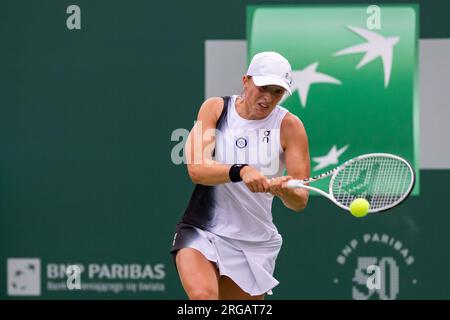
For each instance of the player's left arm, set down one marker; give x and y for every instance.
(294, 141)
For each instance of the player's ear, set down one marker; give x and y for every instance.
(244, 83)
(245, 80)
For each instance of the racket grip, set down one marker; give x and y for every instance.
(294, 183)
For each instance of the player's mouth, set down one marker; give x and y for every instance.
(263, 105)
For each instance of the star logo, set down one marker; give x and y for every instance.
(303, 79)
(331, 158)
(376, 46)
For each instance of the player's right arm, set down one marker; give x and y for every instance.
(199, 148)
(200, 144)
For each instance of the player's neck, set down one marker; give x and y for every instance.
(244, 110)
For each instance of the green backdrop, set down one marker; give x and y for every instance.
(353, 111)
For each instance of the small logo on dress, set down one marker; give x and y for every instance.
(266, 136)
(241, 143)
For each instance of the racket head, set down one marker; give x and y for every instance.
(384, 180)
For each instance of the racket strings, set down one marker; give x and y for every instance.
(382, 180)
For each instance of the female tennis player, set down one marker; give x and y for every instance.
(226, 243)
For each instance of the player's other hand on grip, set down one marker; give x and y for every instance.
(278, 186)
(254, 179)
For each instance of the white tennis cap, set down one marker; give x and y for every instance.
(271, 68)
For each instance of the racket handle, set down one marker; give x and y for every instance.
(294, 183)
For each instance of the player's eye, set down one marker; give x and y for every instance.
(278, 92)
(273, 91)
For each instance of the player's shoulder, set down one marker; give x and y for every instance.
(291, 122)
(214, 101)
(213, 105)
(292, 131)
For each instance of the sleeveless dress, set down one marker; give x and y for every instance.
(229, 224)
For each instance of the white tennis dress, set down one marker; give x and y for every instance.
(228, 223)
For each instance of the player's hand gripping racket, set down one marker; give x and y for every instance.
(384, 180)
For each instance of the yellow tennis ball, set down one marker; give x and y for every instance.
(359, 207)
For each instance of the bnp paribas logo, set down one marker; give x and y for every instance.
(349, 62)
(376, 266)
(24, 277)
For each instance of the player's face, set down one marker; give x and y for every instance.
(261, 100)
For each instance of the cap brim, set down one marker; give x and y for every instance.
(268, 81)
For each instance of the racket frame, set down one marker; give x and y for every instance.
(334, 172)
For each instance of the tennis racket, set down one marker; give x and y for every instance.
(384, 180)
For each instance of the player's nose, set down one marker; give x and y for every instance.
(268, 97)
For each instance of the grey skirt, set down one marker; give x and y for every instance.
(249, 264)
